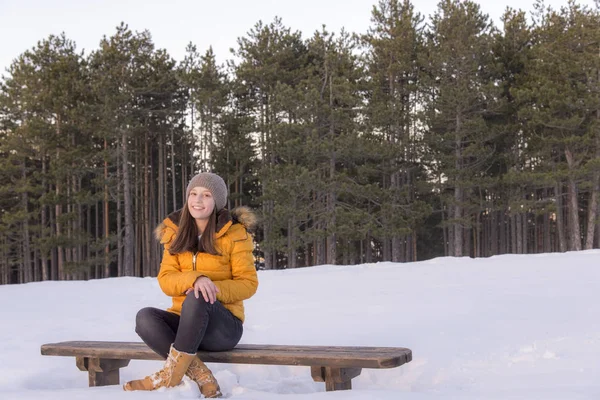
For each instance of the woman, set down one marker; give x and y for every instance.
(208, 270)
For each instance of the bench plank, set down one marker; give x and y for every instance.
(331, 356)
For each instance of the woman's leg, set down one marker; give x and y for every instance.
(157, 328)
(223, 332)
(206, 326)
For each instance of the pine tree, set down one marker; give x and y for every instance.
(395, 48)
(268, 62)
(43, 95)
(511, 181)
(562, 95)
(120, 72)
(334, 101)
(460, 93)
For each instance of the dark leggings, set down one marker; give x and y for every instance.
(202, 326)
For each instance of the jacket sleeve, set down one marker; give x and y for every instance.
(244, 280)
(171, 279)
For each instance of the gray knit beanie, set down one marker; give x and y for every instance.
(212, 182)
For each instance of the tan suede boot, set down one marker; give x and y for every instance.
(170, 375)
(199, 372)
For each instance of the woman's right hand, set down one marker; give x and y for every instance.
(207, 287)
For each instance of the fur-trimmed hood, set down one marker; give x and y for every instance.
(240, 215)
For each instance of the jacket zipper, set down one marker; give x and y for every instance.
(194, 261)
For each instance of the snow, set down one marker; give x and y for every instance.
(506, 327)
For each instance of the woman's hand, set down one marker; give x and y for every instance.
(207, 287)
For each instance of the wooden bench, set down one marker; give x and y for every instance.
(336, 366)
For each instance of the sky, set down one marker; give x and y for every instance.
(174, 23)
(511, 327)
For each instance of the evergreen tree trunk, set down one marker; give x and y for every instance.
(161, 172)
(547, 238)
(183, 169)
(59, 212)
(36, 265)
(486, 234)
(81, 229)
(139, 220)
(173, 180)
(68, 228)
(518, 232)
(597, 224)
(26, 239)
(458, 195)
(524, 232)
(53, 251)
(457, 225)
(468, 242)
(331, 220)
(501, 232)
(513, 234)
(560, 221)
(593, 203)
(291, 240)
(129, 240)
(331, 194)
(106, 216)
(597, 246)
(537, 230)
(44, 217)
(403, 248)
(477, 236)
(3, 263)
(20, 269)
(148, 265)
(397, 245)
(98, 253)
(119, 218)
(387, 249)
(59, 249)
(547, 226)
(573, 210)
(445, 231)
(414, 247)
(267, 234)
(156, 249)
(573, 207)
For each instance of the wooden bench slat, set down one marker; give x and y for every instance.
(136, 346)
(334, 356)
(346, 349)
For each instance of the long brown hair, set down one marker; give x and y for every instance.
(187, 234)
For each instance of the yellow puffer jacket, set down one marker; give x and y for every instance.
(233, 272)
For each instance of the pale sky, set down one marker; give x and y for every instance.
(174, 23)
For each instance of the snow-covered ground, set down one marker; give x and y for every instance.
(506, 327)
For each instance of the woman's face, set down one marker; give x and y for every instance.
(201, 203)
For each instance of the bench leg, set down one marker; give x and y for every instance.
(335, 378)
(101, 371)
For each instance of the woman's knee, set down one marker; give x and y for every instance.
(145, 321)
(192, 301)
